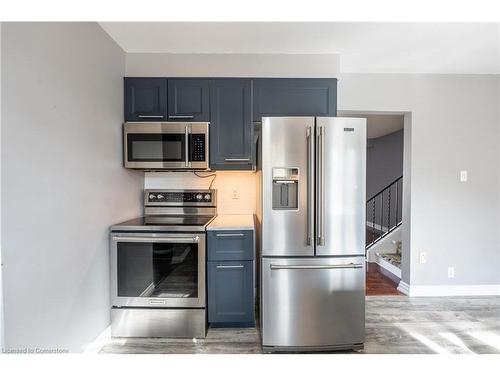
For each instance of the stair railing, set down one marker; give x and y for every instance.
(384, 212)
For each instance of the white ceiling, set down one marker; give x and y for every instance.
(364, 47)
(378, 125)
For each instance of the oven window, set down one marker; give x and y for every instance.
(156, 147)
(159, 270)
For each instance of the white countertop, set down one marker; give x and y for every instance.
(232, 222)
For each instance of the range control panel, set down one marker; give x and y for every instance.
(180, 197)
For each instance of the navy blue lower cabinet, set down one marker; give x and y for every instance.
(231, 293)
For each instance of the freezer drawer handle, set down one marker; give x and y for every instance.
(315, 267)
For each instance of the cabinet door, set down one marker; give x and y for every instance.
(230, 292)
(231, 127)
(145, 99)
(188, 100)
(294, 97)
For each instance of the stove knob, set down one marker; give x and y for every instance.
(152, 196)
(160, 196)
(199, 197)
(207, 197)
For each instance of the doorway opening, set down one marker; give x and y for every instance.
(386, 201)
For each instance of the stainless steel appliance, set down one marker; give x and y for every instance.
(158, 266)
(312, 236)
(165, 145)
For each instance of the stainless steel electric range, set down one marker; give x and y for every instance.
(158, 266)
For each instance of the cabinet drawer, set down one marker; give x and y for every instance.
(230, 245)
(230, 292)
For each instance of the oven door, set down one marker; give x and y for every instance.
(158, 269)
(165, 145)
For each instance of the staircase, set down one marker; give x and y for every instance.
(384, 212)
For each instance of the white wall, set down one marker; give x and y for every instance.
(384, 162)
(232, 65)
(62, 180)
(454, 126)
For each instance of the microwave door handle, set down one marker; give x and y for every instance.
(187, 131)
(194, 239)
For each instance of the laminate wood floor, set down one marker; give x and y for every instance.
(393, 325)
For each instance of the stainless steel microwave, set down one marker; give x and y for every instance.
(165, 145)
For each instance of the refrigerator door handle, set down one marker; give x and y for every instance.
(321, 189)
(310, 184)
(315, 267)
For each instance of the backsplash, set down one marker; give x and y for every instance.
(236, 191)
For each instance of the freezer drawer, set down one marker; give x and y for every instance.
(313, 303)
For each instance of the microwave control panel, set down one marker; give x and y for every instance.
(198, 147)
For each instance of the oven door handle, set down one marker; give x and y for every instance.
(194, 239)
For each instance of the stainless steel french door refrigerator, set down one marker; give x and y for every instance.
(313, 233)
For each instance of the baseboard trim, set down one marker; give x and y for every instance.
(449, 290)
(95, 346)
(388, 266)
(404, 288)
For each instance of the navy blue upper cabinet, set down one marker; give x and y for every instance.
(231, 126)
(294, 97)
(145, 99)
(188, 100)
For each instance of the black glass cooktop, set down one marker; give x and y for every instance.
(164, 222)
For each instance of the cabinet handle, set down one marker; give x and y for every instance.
(150, 116)
(236, 160)
(229, 235)
(181, 117)
(229, 267)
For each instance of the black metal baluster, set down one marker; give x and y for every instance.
(381, 214)
(397, 201)
(373, 222)
(389, 210)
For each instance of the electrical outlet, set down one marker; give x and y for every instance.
(235, 194)
(463, 176)
(423, 258)
(451, 272)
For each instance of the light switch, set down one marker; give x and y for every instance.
(463, 176)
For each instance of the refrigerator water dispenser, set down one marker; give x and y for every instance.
(285, 188)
